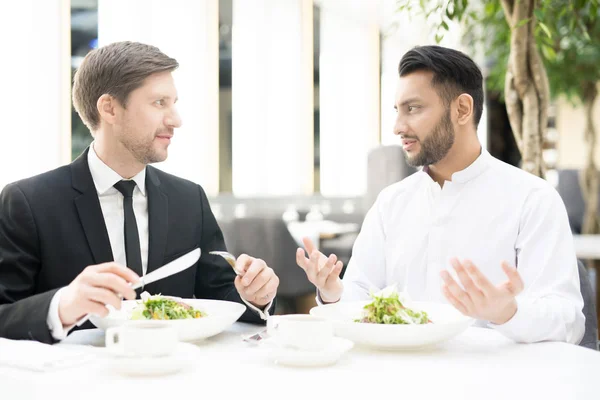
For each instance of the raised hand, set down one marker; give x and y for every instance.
(322, 271)
(480, 299)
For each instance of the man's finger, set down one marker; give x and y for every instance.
(238, 284)
(119, 270)
(301, 259)
(335, 273)
(103, 296)
(110, 281)
(261, 279)
(308, 245)
(454, 301)
(269, 289)
(326, 270)
(95, 308)
(313, 267)
(252, 272)
(516, 284)
(243, 262)
(456, 290)
(470, 287)
(480, 280)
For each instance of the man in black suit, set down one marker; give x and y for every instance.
(66, 235)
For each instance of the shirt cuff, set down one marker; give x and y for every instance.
(264, 313)
(58, 331)
(514, 327)
(320, 301)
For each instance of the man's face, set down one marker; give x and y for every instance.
(145, 127)
(423, 120)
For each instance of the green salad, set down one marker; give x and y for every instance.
(163, 308)
(388, 309)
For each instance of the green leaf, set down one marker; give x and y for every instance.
(450, 13)
(545, 29)
(549, 53)
(445, 25)
(438, 38)
(522, 22)
(538, 14)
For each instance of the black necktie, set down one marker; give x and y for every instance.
(132, 238)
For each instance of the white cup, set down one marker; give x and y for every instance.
(141, 340)
(301, 331)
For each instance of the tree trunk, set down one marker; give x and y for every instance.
(526, 88)
(589, 180)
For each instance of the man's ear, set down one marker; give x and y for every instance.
(107, 108)
(465, 109)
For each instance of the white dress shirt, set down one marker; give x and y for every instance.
(111, 203)
(488, 212)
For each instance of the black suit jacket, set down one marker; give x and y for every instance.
(52, 227)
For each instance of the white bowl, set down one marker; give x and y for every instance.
(220, 315)
(447, 323)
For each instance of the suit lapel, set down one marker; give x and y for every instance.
(158, 218)
(90, 213)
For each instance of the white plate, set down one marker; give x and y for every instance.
(304, 358)
(220, 315)
(447, 323)
(182, 358)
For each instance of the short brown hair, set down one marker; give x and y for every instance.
(116, 69)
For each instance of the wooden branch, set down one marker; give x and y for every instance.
(531, 128)
(589, 179)
(508, 5)
(542, 87)
(519, 45)
(513, 108)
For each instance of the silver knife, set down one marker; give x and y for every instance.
(171, 268)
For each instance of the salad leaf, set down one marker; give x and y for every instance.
(163, 308)
(387, 308)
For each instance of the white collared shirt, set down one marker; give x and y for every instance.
(488, 213)
(111, 203)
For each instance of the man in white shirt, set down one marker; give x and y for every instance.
(489, 238)
(73, 239)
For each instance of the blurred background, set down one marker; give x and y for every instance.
(287, 106)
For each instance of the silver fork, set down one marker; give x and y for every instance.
(230, 258)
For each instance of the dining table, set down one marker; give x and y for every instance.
(479, 363)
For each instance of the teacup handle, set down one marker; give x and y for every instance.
(112, 341)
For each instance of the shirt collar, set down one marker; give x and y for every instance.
(105, 177)
(472, 171)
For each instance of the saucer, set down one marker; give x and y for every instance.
(316, 358)
(181, 358)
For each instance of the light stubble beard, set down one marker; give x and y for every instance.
(142, 149)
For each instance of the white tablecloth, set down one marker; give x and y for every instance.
(479, 364)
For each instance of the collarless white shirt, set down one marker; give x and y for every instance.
(488, 212)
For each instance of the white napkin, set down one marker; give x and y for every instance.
(36, 356)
